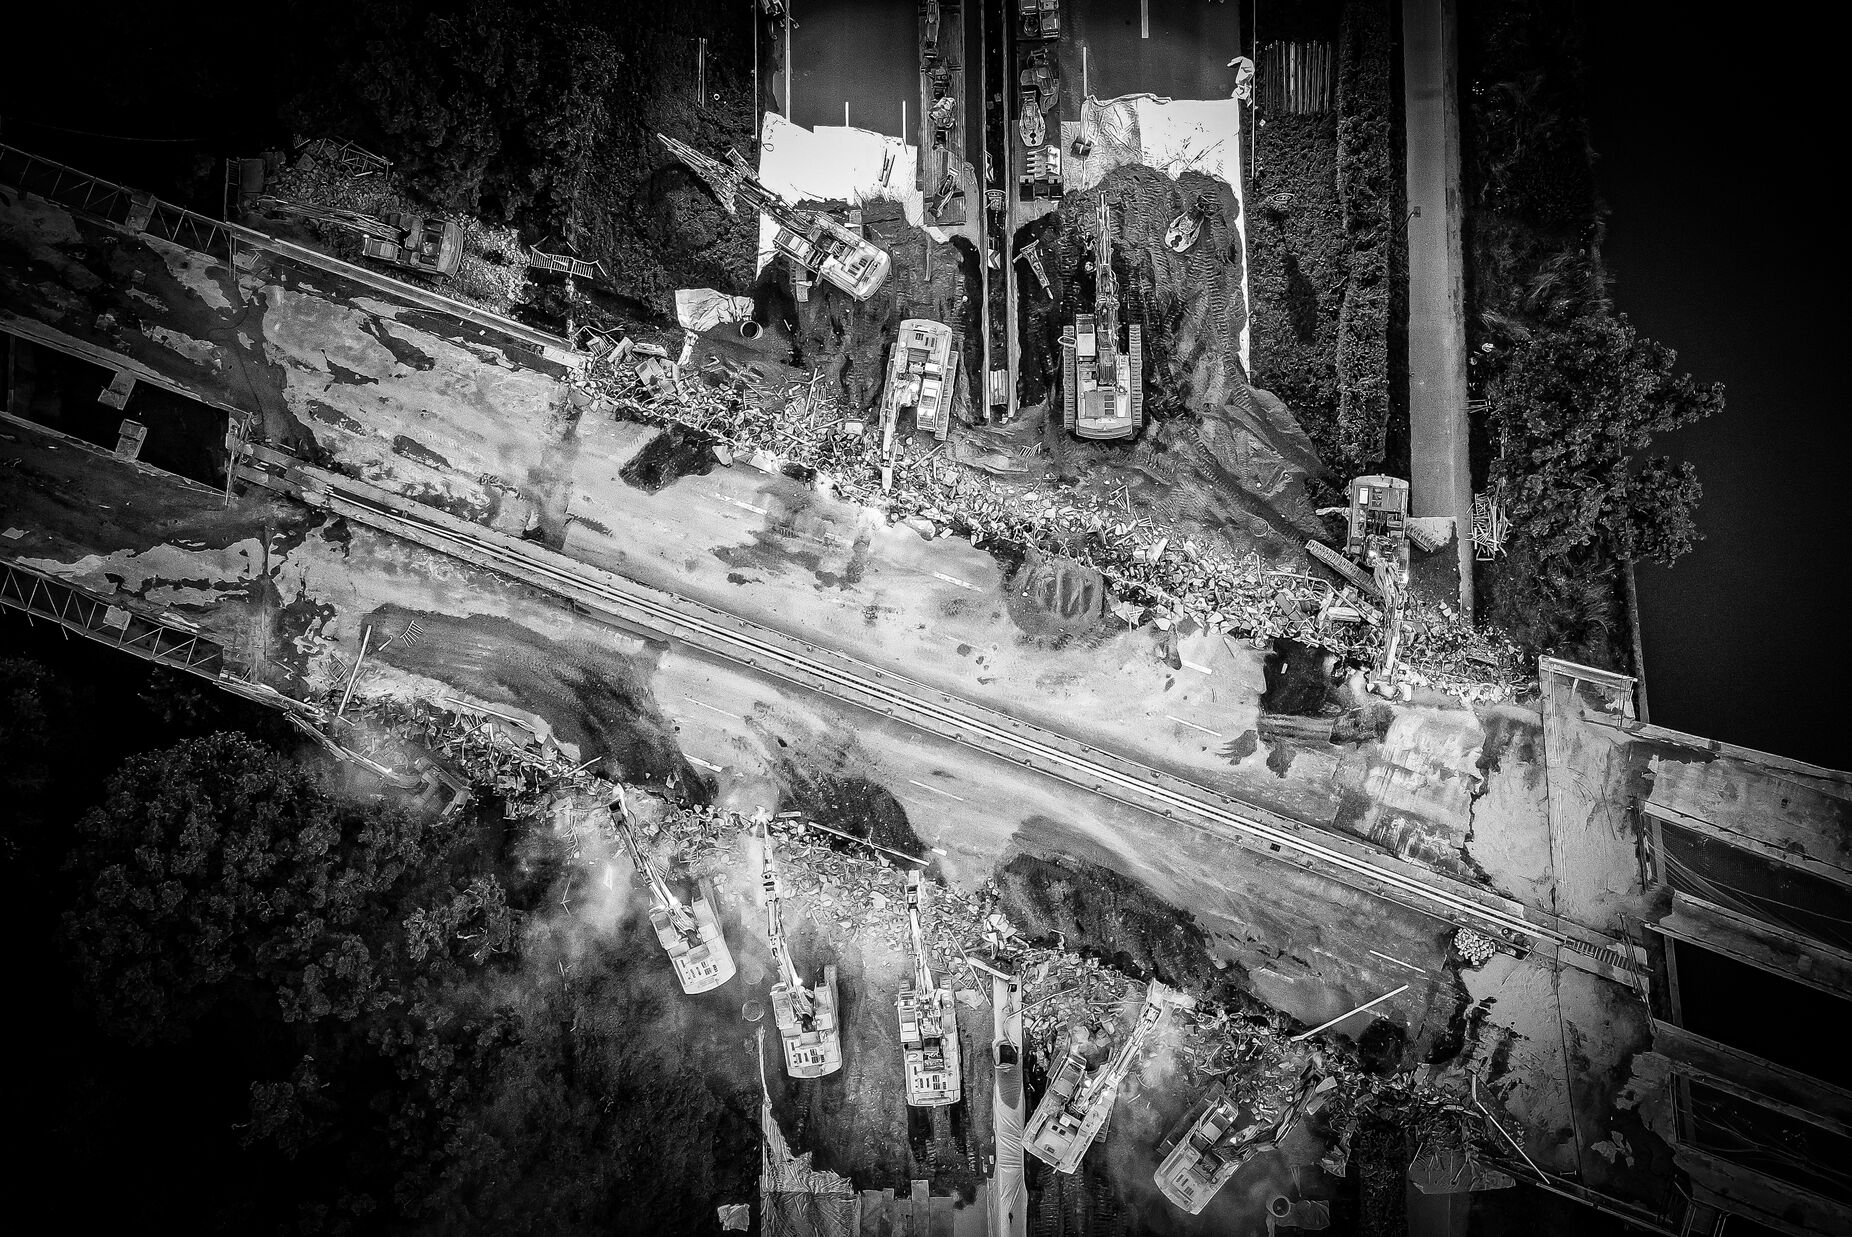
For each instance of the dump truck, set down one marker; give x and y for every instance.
(815, 242)
(425, 243)
(1102, 389)
(806, 1015)
(1075, 1106)
(1218, 1142)
(929, 1045)
(690, 933)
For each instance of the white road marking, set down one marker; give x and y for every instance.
(1144, 19)
(935, 790)
(1399, 962)
(696, 760)
(1193, 725)
(710, 708)
(1196, 666)
(955, 580)
(938, 850)
(745, 506)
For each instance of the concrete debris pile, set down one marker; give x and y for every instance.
(1474, 948)
(1161, 576)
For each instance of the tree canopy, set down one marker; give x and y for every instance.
(214, 864)
(1572, 412)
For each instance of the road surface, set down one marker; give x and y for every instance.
(1185, 56)
(1440, 472)
(861, 52)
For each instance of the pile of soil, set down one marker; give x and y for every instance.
(1097, 910)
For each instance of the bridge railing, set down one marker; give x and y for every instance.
(76, 609)
(126, 208)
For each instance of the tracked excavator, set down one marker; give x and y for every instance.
(817, 243)
(690, 934)
(806, 1016)
(1102, 389)
(417, 242)
(929, 1046)
(1375, 562)
(1075, 1106)
(1218, 1142)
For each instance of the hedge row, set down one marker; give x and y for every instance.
(1366, 194)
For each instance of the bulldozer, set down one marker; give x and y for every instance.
(806, 1015)
(690, 934)
(929, 1046)
(1102, 389)
(425, 243)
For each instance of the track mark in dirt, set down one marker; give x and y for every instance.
(594, 698)
(1056, 602)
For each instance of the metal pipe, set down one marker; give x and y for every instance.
(1341, 1017)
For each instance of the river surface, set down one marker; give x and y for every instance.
(1718, 153)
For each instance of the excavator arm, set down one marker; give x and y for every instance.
(775, 932)
(665, 897)
(922, 972)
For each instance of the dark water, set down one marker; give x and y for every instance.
(1720, 148)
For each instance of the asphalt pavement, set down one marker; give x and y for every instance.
(1176, 49)
(861, 52)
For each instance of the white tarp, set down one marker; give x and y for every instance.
(835, 163)
(1171, 135)
(703, 309)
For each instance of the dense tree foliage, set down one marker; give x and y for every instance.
(545, 114)
(1571, 413)
(375, 1034)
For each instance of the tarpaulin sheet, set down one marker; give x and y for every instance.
(703, 309)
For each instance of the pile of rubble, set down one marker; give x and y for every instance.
(496, 755)
(1161, 577)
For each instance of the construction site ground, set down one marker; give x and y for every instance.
(290, 590)
(572, 455)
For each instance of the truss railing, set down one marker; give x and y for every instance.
(113, 203)
(76, 609)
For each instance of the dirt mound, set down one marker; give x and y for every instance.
(1216, 453)
(1096, 909)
